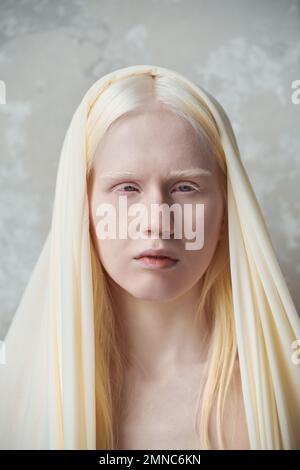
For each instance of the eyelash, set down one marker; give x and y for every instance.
(195, 188)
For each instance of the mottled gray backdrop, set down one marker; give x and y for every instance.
(246, 53)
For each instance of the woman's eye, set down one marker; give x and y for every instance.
(187, 188)
(122, 188)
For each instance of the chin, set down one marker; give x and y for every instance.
(155, 294)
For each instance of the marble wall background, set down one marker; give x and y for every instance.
(245, 53)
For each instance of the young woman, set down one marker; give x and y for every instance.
(114, 348)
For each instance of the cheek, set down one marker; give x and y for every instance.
(213, 214)
(197, 261)
(212, 221)
(113, 255)
(104, 245)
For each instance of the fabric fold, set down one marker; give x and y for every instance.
(47, 386)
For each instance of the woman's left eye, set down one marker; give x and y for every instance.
(187, 188)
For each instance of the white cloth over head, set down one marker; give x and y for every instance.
(47, 386)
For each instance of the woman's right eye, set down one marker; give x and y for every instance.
(126, 186)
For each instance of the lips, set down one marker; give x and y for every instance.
(157, 254)
(156, 262)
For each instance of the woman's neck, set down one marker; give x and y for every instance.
(159, 338)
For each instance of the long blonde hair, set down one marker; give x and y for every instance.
(120, 97)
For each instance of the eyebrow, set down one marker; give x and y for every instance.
(188, 173)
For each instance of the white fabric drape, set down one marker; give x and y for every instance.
(47, 386)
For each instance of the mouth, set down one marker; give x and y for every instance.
(157, 262)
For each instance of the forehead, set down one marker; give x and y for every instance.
(153, 139)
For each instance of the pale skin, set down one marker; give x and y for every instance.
(167, 352)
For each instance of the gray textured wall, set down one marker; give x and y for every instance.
(245, 53)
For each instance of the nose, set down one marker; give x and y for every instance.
(157, 220)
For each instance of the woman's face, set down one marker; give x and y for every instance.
(152, 144)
